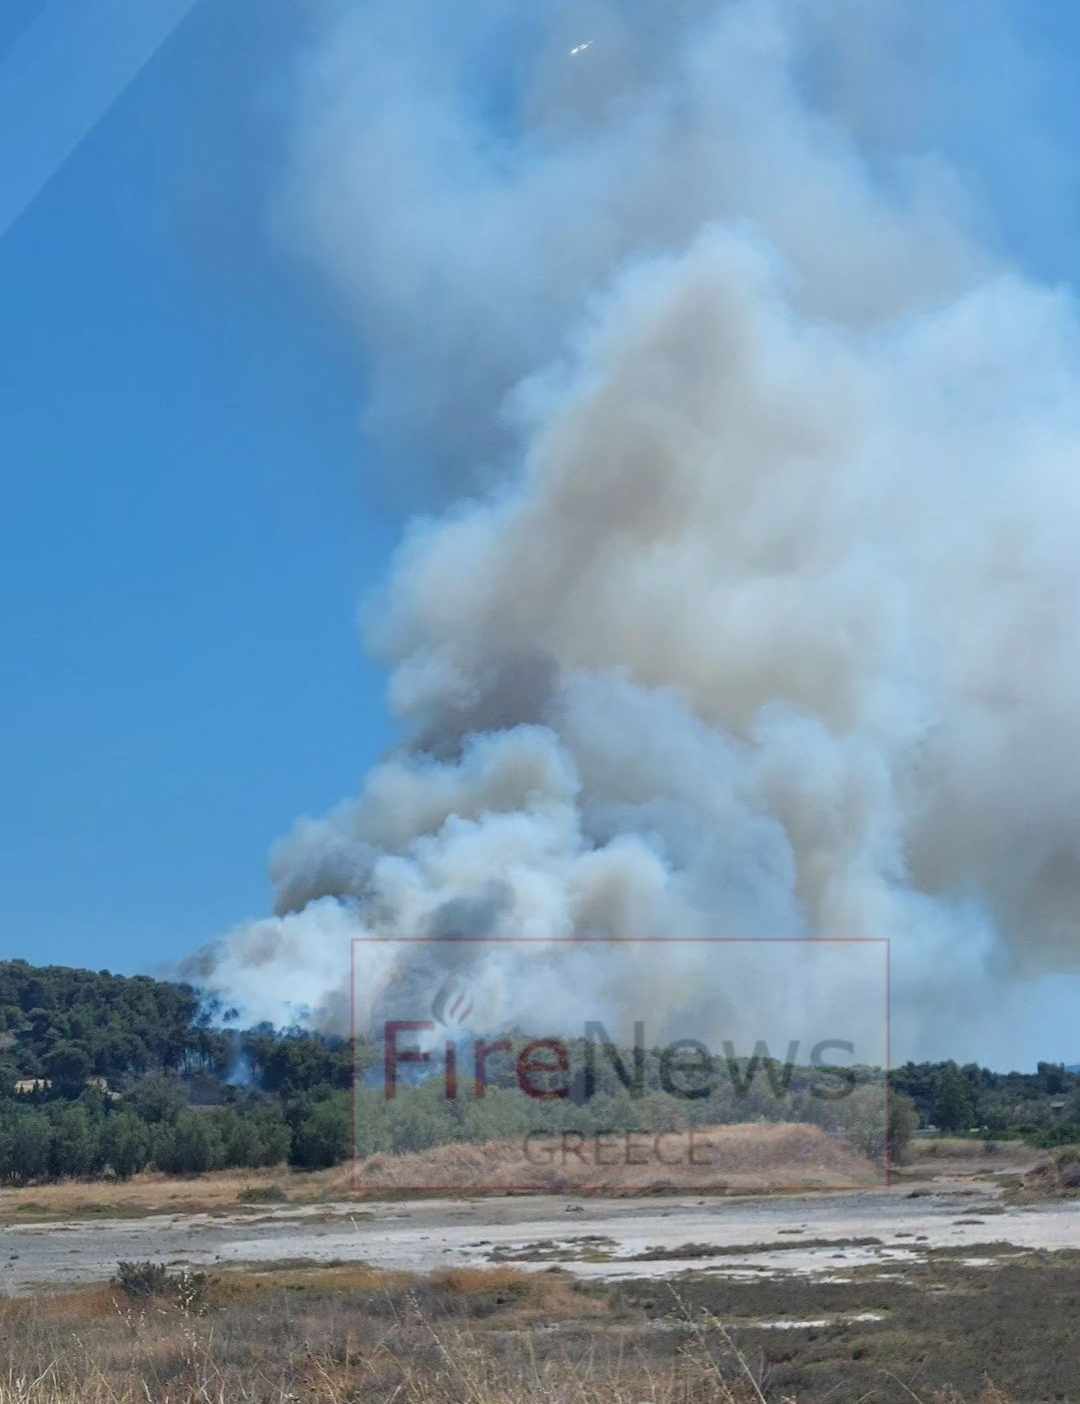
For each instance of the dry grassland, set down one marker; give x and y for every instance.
(469, 1336)
(755, 1158)
(152, 1193)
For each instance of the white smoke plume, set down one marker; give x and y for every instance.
(756, 612)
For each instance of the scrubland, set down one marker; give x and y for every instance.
(347, 1334)
(967, 1323)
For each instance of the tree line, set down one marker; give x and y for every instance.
(1042, 1107)
(104, 1073)
(90, 1137)
(109, 1074)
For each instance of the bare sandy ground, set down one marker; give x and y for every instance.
(957, 1208)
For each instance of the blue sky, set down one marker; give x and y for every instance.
(186, 532)
(190, 518)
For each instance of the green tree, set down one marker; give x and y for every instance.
(322, 1138)
(239, 1138)
(126, 1143)
(274, 1137)
(75, 1143)
(24, 1148)
(1053, 1078)
(954, 1100)
(157, 1100)
(68, 1065)
(903, 1120)
(190, 1147)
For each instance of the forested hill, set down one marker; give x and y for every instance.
(110, 1073)
(68, 1025)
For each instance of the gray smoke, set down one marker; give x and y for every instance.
(759, 618)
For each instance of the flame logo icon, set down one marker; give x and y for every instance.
(453, 1004)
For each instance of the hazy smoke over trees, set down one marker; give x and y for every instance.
(748, 601)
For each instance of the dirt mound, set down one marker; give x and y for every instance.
(1055, 1178)
(717, 1159)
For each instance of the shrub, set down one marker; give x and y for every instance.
(262, 1194)
(322, 1139)
(76, 1144)
(903, 1120)
(143, 1281)
(127, 1144)
(191, 1147)
(24, 1147)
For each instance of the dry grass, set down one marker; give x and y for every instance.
(956, 1148)
(459, 1337)
(719, 1158)
(772, 1157)
(1057, 1176)
(153, 1193)
(351, 1334)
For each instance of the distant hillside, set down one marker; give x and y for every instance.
(103, 1073)
(68, 1025)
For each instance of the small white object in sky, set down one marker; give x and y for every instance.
(580, 48)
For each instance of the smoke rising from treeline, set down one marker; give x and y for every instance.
(747, 603)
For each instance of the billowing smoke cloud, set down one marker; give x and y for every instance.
(759, 618)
